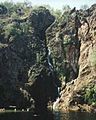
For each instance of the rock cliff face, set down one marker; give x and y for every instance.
(75, 53)
(24, 70)
(37, 51)
(65, 45)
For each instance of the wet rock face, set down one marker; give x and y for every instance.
(18, 54)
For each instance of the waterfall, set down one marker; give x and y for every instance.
(55, 104)
(48, 58)
(59, 90)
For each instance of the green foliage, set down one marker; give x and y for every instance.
(9, 6)
(25, 28)
(3, 9)
(15, 15)
(67, 39)
(90, 95)
(12, 7)
(57, 13)
(12, 30)
(66, 8)
(93, 59)
(61, 15)
(27, 7)
(66, 11)
(16, 30)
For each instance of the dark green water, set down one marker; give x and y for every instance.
(47, 116)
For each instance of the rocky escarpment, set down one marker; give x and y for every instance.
(25, 74)
(36, 51)
(78, 37)
(65, 45)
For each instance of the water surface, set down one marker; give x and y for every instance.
(47, 116)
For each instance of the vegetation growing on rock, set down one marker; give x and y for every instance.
(90, 95)
(40, 49)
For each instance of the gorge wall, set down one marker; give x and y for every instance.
(73, 43)
(38, 54)
(25, 74)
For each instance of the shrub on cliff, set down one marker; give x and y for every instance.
(18, 8)
(12, 30)
(9, 6)
(16, 30)
(3, 10)
(93, 59)
(90, 94)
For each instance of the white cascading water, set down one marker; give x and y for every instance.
(48, 58)
(55, 106)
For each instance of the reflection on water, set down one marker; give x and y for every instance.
(47, 116)
(75, 116)
(26, 116)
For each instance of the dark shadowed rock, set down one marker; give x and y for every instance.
(35, 51)
(43, 85)
(24, 48)
(41, 19)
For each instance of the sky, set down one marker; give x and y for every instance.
(57, 4)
